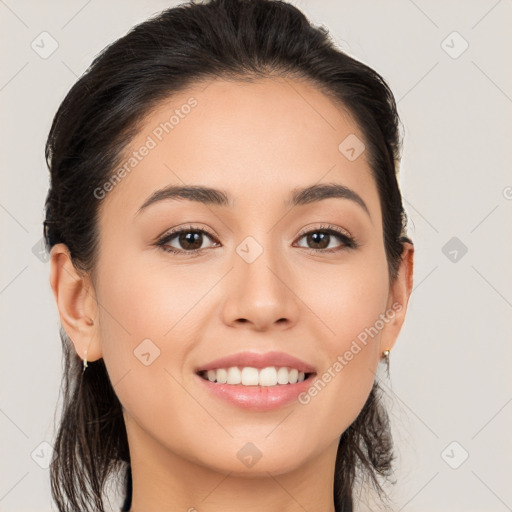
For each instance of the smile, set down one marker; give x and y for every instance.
(250, 376)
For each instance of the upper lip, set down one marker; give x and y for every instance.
(258, 360)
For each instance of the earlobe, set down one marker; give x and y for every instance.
(400, 291)
(76, 303)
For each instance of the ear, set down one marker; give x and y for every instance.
(76, 302)
(399, 293)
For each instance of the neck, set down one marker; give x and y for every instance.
(163, 479)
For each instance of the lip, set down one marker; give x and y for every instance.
(258, 360)
(257, 398)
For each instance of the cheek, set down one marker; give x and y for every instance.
(145, 328)
(148, 298)
(149, 315)
(348, 299)
(355, 352)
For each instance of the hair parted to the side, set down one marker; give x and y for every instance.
(179, 47)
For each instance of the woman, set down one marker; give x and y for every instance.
(229, 260)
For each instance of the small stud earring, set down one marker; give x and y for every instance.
(90, 322)
(85, 361)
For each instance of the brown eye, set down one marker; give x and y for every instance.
(190, 240)
(185, 240)
(321, 239)
(318, 239)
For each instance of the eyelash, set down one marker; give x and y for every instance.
(347, 241)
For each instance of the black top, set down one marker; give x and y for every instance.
(128, 498)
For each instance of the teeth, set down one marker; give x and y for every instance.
(234, 376)
(222, 376)
(249, 376)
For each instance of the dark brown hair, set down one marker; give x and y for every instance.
(179, 47)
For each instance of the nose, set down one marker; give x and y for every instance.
(261, 293)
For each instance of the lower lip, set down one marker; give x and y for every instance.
(258, 398)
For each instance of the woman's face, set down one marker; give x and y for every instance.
(265, 278)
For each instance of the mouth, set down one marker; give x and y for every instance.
(256, 389)
(251, 368)
(256, 381)
(269, 376)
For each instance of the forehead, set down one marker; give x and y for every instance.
(258, 139)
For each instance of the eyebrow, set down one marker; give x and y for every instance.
(218, 197)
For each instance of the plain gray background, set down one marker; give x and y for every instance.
(450, 387)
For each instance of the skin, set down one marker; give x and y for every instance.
(258, 141)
